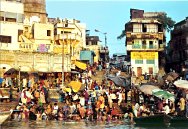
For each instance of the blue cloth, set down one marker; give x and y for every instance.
(1, 80)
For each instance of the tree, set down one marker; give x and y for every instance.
(166, 21)
(122, 35)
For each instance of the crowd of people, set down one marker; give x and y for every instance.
(96, 102)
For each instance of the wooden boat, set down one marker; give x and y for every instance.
(157, 119)
(4, 115)
(6, 109)
(176, 120)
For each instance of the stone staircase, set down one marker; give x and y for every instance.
(99, 76)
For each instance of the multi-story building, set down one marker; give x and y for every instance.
(179, 46)
(92, 43)
(31, 43)
(145, 42)
(11, 25)
(70, 35)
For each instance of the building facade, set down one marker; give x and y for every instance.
(92, 43)
(31, 42)
(178, 51)
(145, 42)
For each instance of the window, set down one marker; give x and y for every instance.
(136, 44)
(65, 32)
(10, 17)
(160, 28)
(151, 45)
(1, 16)
(55, 31)
(138, 61)
(137, 27)
(152, 28)
(94, 43)
(20, 32)
(144, 28)
(48, 32)
(144, 44)
(5, 39)
(150, 61)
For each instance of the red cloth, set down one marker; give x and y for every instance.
(114, 112)
(24, 92)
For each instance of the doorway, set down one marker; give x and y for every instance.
(139, 71)
(150, 70)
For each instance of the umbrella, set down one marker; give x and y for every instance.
(171, 76)
(162, 94)
(174, 74)
(67, 90)
(11, 71)
(181, 84)
(76, 86)
(168, 78)
(147, 89)
(120, 81)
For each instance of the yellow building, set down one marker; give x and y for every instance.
(145, 42)
(92, 43)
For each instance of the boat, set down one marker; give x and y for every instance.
(176, 120)
(4, 115)
(156, 119)
(6, 110)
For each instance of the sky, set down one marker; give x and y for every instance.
(110, 16)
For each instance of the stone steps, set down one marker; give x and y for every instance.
(99, 76)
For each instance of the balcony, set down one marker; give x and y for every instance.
(145, 47)
(146, 35)
(31, 47)
(68, 36)
(26, 47)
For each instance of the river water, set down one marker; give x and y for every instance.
(81, 125)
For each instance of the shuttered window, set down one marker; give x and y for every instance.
(150, 61)
(138, 61)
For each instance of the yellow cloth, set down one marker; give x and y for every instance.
(67, 90)
(75, 85)
(81, 65)
(101, 100)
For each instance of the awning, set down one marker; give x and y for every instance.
(25, 69)
(81, 65)
(76, 86)
(42, 69)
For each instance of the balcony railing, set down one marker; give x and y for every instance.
(68, 36)
(145, 47)
(31, 47)
(146, 35)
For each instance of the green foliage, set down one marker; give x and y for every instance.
(122, 35)
(166, 21)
